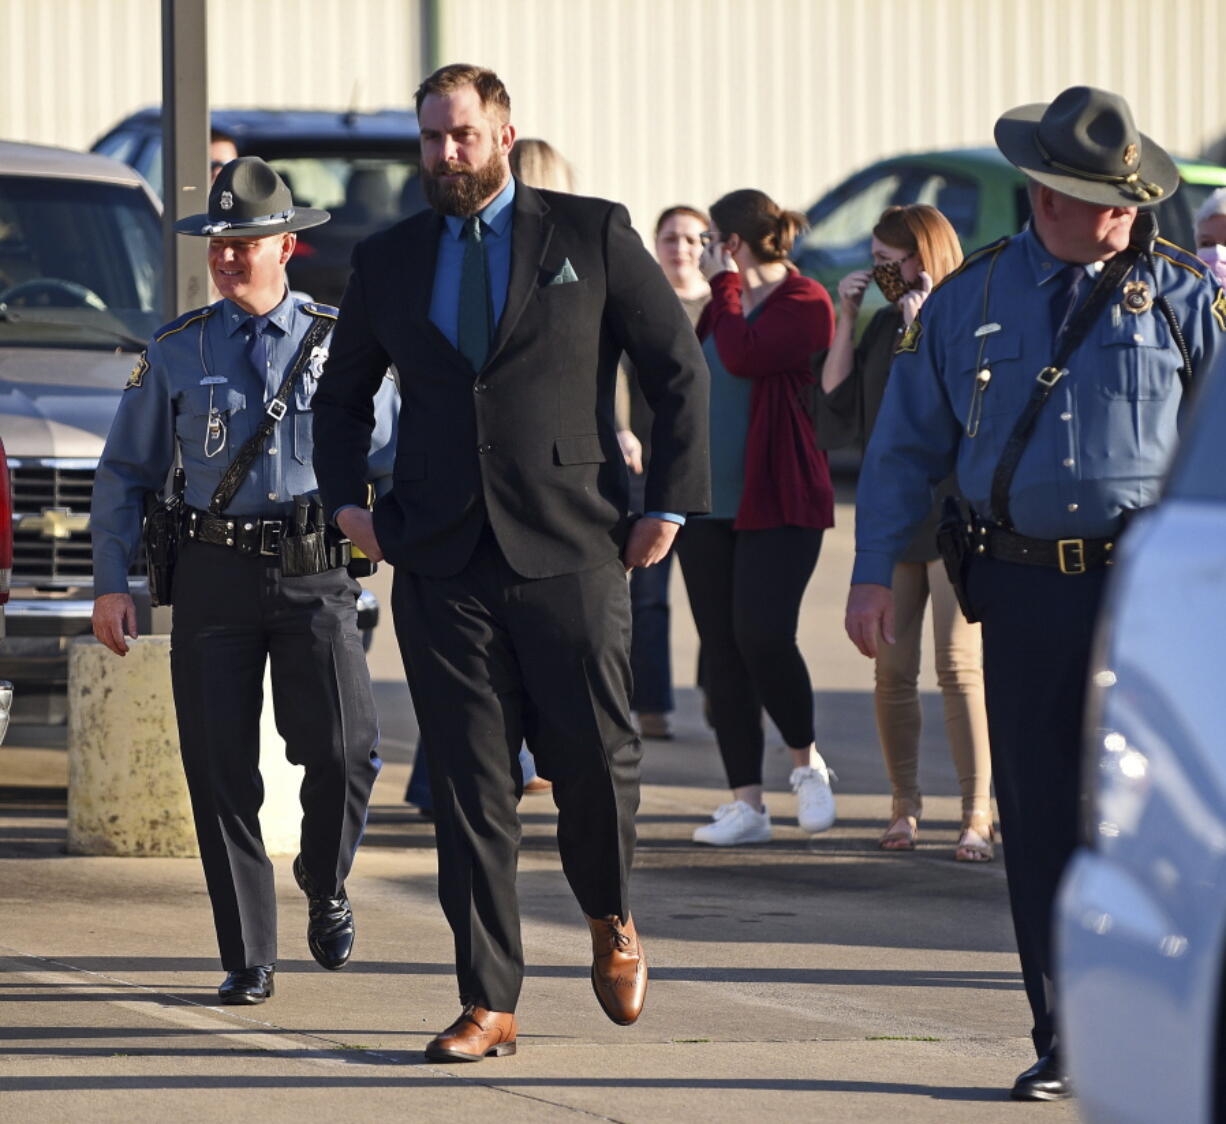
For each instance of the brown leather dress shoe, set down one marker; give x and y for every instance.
(619, 968)
(476, 1034)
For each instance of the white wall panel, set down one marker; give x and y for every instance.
(69, 69)
(654, 101)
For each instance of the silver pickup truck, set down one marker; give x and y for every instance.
(80, 294)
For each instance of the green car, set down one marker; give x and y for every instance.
(977, 189)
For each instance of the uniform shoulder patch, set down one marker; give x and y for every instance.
(137, 377)
(325, 310)
(911, 337)
(1218, 308)
(182, 322)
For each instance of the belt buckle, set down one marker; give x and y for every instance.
(270, 538)
(1049, 376)
(1072, 555)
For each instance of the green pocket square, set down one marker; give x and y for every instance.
(564, 275)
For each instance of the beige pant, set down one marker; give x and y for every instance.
(959, 665)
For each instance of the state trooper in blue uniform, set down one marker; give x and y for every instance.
(200, 390)
(1046, 524)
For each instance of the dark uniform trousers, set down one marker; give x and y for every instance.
(233, 613)
(1038, 628)
(492, 657)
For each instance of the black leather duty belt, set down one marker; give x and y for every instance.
(1069, 556)
(246, 534)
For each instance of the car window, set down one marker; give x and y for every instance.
(359, 190)
(956, 197)
(119, 146)
(841, 235)
(79, 263)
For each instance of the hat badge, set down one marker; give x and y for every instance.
(226, 202)
(1130, 155)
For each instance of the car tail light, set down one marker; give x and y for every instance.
(6, 528)
(303, 249)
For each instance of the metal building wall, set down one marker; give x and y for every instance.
(654, 101)
(69, 69)
(659, 101)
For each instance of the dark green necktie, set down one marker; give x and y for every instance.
(473, 330)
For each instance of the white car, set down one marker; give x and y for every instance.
(1141, 926)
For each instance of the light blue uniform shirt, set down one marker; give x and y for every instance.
(1102, 441)
(196, 387)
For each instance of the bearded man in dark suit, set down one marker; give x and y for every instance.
(505, 310)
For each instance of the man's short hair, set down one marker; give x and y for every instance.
(447, 79)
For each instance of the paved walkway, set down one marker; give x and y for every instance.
(805, 979)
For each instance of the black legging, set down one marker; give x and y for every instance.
(745, 589)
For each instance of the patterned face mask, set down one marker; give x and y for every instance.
(888, 276)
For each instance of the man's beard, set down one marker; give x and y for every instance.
(464, 195)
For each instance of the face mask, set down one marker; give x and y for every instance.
(1215, 258)
(888, 276)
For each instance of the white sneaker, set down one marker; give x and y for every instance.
(814, 799)
(733, 824)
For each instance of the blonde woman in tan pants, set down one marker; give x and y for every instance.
(914, 248)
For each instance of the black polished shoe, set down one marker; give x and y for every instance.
(247, 985)
(1043, 1081)
(330, 923)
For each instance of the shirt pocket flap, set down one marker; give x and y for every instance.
(199, 400)
(581, 449)
(997, 347)
(410, 465)
(1129, 330)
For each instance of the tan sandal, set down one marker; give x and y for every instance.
(900, 835)
(976, 844)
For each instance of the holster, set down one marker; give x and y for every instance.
(954, 543)
(309, 545)
(161, 535)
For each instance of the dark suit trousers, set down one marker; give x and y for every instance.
(233, 614)
(1038, 627)
(491, 658)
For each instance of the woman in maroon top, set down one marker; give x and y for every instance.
(747, 564)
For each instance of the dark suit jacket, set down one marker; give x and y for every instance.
(529, 441)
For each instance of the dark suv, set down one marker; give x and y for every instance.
(362, 167)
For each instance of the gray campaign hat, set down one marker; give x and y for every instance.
(249, 200)
(1086, 145)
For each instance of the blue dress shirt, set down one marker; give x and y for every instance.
(496, 237)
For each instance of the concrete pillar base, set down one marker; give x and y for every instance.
(126, 791)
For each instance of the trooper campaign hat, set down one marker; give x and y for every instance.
(1086, 145)
(249, 200)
